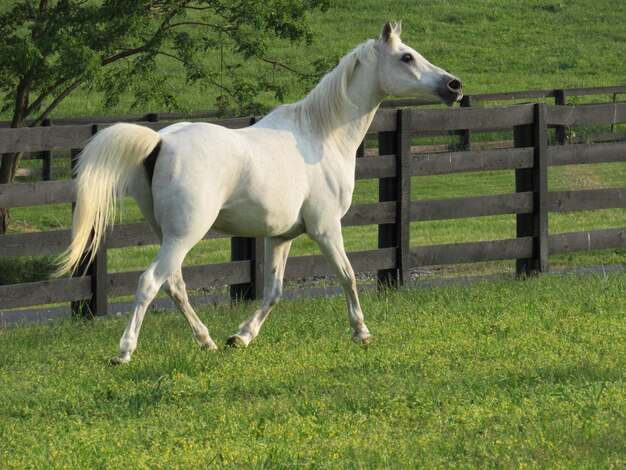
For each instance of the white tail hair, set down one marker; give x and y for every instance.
(105, 167)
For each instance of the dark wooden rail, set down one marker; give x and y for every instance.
(557, 96)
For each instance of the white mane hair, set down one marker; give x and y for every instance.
(323, 106)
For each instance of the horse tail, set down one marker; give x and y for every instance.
(106, 166)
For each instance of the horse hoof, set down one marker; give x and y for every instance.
(363, 340)
(209, 346)
(118, 361)
(235, 342)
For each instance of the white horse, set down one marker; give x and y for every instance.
(291, 173)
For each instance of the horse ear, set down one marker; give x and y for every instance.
(398, 29)
(387, 31)
(390, 30)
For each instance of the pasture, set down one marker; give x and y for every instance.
(513, 374)
(492, 45)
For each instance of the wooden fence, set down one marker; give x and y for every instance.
(557, 96)
(393, 167)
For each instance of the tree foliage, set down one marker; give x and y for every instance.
(49, 48)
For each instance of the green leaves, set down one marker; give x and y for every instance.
(48, 49)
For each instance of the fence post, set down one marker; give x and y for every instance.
(253, 250)
(387, 192)
(561, 100)
(397, 189)
(466, 135)
(540, 198)
(46, 156)
(403, 173)
(614, 101)
(96, 270)
(534, 180)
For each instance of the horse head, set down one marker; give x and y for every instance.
(405, 72)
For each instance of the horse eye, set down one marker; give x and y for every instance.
(407, 58)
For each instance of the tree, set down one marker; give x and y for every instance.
(49, 48)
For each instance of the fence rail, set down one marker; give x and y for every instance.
(558, 95)
(83, 127)
(393, 167)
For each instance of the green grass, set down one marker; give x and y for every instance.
(498, 375)
(494, 45)
(507, 374)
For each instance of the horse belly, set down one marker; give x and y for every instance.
(251, 219)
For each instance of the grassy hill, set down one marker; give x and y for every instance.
(494, 45)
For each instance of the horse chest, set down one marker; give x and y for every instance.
(333, 184)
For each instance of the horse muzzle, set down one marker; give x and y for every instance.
(451, 90)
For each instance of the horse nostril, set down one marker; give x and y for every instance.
(454, 85)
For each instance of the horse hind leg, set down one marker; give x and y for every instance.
(147, 289)
(175, 288)
(166, 265)
(165, 270)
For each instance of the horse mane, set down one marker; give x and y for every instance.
(323, 107)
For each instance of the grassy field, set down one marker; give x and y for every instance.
(494, 45)
(504, 374)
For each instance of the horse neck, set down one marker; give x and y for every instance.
(364, 98)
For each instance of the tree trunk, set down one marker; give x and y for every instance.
(4, 221)
(8, 168)
(10, 161)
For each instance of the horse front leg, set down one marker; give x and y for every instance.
(276, 252)
(330, 241)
